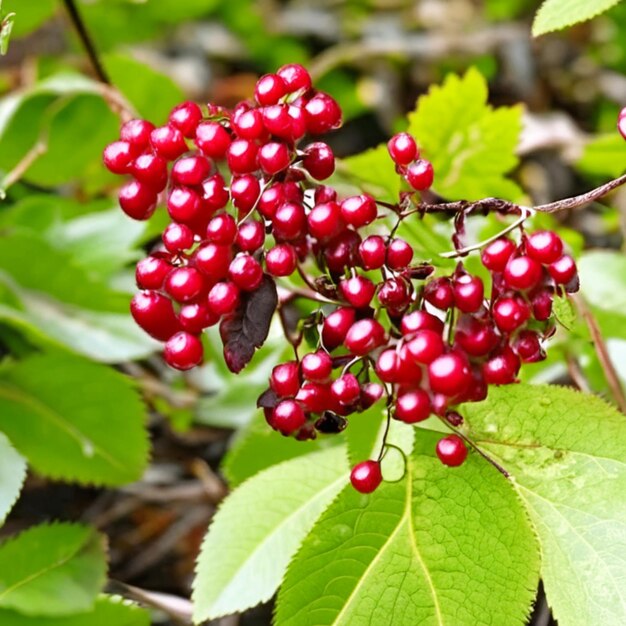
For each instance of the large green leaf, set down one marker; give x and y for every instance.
(558, 14)
(445, 547)
(470, 144)
(108, 611)
(605, 155)
(259, 527)
(12, 474)
(566, 452)
(52, 570)
(66, 415)
(375, 172)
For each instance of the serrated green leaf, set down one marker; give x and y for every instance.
(604, 155)
(12, 474)
(52, 570)
(66, 414)
(375, 172)
(564, 311)
(558, 14)
(108, 611)
(470, 144)
(566, 452)
(442, 547)
(259, 527)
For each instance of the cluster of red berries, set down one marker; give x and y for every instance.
(245, 202)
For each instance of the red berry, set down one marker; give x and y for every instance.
(409, 371)
(222, 230)
(183, 204)
(402, 149)
(288, 417)
(184, 284)
(285, 380)
(213, 260)
(420, 320)
(154, 313)
(168, 142)
(246, 272)
(522, 273)
(289, 222)
(527, 346)
(412, 406)
(186, 117)
(387, 366)
(241, 156)
(295, 77)
(281, 260)
(250, 236)
(357, 291)
(542, 305)
(314, 397)
(118, 157)
(439, 293)
(177, 237)
(322, 114)
(325, 221)
(420, 175)
(399, 254)
(249, 125)
(214, 193)
(449, 374)
(502, 368)
(271, 199)
(343, 252)
(212, 139)
(496, 255)
(346, 389)
(563, 270)
(151, 170)
(183, 351)
(425, 346)
(359, 211)
(223, 298)
(324, 193)
(137, 200)
(474, 337)
(317, 366)
(394, 294)
(364, 336)
(336, 327)
(269, 89)
(370, 394)
(151, 272)
(373, 252)
(278, 121)
(544, 246)
(194, 318)
(510, 313)
(366, 476)
(274, 157)
(191, 170)
(319, 160)
(451, 451)
(245, 191)
(468, 293)
(137, 133)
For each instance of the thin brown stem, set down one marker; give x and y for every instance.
(576, 373)
(608, 368)
(22, 166)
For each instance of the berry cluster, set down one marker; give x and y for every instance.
(246, 203)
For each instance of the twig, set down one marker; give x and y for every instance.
(601, 350)
(22, 166)
(573, 367)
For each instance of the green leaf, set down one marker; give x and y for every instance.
(566, 452)
(557, 14)
(12, 475)
(52, 570)
(31, 14)
(66, 414)
(243, 559)
(470, 144)
(604, 155)
(442, 547)
(375, 172)
(108, 611)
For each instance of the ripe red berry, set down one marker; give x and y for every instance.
(118, 157)
(184, 283)
(336, 327)
(468, 293)
(154, 313)
(425, 346)
(527, 346)
(544, 246)
(137, 133)
(274, 157)
(186, 117)
(420, 175)
(510, 313)
(223, 298)
(288, 417)
(325, 221)
(295, 77)
(366, 476)
(474, 337)
(269, 89)
(496, 255)
(137, 200)
(168, 142)
(214, 193)
(241, 156)
(151, 170)
(278, 121)
(449, 374)
(151, 272)
(364, 336)
(420, 320)
(177, 237)
(246, 272)
(502, 368)
(213, 260)
(324, 193)
(343, 252)
(451, 451)
(399, 254)
(285, 380)
(359, 210)
(250, 236)
(563, 270)
(412, 406)
(541, 303)
(245, 191)
(281, 260)
(322, 114)
(191, 170)
(183, 351)
(346, 389)
(370, 394)
(317, 366)
(387, 366)
(319, 160)
(358, 291)
(314, 397)
(249, 125)
(222, 230)
(522, 273)
(183, 204)
(212, 139)
(194, 318)
(270, 200)
(373, 252)
(394, 294)
(402, 149)
(439, 293)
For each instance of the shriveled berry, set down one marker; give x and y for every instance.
(285, 379)
(364, 336)
(281, 260)
(420, 175)
(366, 476)
(183, 351)
(223, 298)
(399, 254)
(544, 246)
(412, 406)
(246, 272)
(288, 417)
(522, 273)
(449, 374)
(451, 451)
(496, 255)
(402, 149)
(317, 366)
(154, 313)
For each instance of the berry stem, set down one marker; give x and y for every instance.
(22, 166)
(383, 444)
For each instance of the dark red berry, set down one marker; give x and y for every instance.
(186, 117)
(317, 366)
(336, 327)
(289, 222)
(451, 451)
(343, 252)
(324, 193)
(527, 346)
(295, 77)
(184, 284)
(154, 313)
(541, 303)
(358, 291)
(137, 133)
(412, 406)
(212, 139)
(563, 270)
(522, 273)
(449, 374)
(474, 337)
(373, 252)
(366, 476)
(359, 211)
(281, 260)
(314, 397)
(394, 294)
(319, 160)
(177, 237)
(151, 272)
(223, 298)
(285, 380)
(183, 351)
(402, 149)
(246, 272)
(399, 254)
(468, 293)
(191, 170)
(118, 157)
(168, 142)
(544, 246)
(346, 389)
(137, 200)
(364, 336)
(510, 313)
(322, 114)
(502, 368)
(420, 175)
(288, 417)
(496, 255)
(439, 293)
